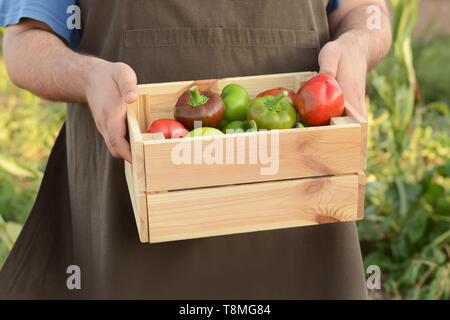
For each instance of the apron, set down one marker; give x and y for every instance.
(83, 214)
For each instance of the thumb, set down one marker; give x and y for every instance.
(329, 58)
(126, 80)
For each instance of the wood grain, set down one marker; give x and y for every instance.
(351, 111)
(361, 193)
(342, 120)
(137, 149)
(135, 173)
(309, 152)
(139, 203)
(252, 207)
(301, 79)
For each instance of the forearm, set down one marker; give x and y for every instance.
(37, 60)
(375, 42)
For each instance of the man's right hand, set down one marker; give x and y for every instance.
(110, 86)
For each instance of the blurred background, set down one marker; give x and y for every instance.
(406, 230)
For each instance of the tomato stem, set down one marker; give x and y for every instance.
(196, 98)
(275, 101)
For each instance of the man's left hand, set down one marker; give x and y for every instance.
(346, 59)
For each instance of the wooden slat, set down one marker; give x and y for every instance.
(135, 173)
(139, 203)
(301, 79)
(361, 193)
(252, 207)
(146, 110)
(351, 111)
(342, 120)
(137, 149)
(140, 114)
(152, 136)
(309, 152)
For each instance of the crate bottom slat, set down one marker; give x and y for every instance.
(254, 207)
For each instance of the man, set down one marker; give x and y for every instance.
(82, 215)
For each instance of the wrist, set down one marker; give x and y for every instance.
(92, 68)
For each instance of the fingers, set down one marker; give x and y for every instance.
(354, 91)
(329, 58)
(114, 136)
(126, 79)
(343, 62)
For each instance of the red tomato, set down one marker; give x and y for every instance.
(276, 91)
(319, 100)
(170, 128)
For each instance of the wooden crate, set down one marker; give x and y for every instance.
(319, 178)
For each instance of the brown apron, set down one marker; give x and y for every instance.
(83, 215)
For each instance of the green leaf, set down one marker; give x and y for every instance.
(402, 247)
(9, 231)
(435, 191)
(416, 225)
(440, 107)
(435, 286)
(413, 192)
(442, 238)
(383, 89)
(402, 196)
(444, 170)
(15, 169)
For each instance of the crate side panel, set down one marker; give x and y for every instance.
(351, 111)
(139, 203)
(253, 207)
(252, 157)
(361, 193)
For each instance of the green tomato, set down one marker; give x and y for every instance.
(204, 131)
(272, 112)
(223, 124)
(240, 126)
(236, 101)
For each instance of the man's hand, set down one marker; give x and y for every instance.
(110, 87)
(39, 61)
(346, 60)
(355, 48)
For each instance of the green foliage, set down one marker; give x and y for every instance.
(433, 69)
(406, 230)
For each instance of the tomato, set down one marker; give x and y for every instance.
(319, 100)
(274, 92)
(271, 112)
(204, 131)
(170, 128)
(193, 105)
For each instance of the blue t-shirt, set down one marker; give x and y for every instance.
(54, 13)
(333, 5)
